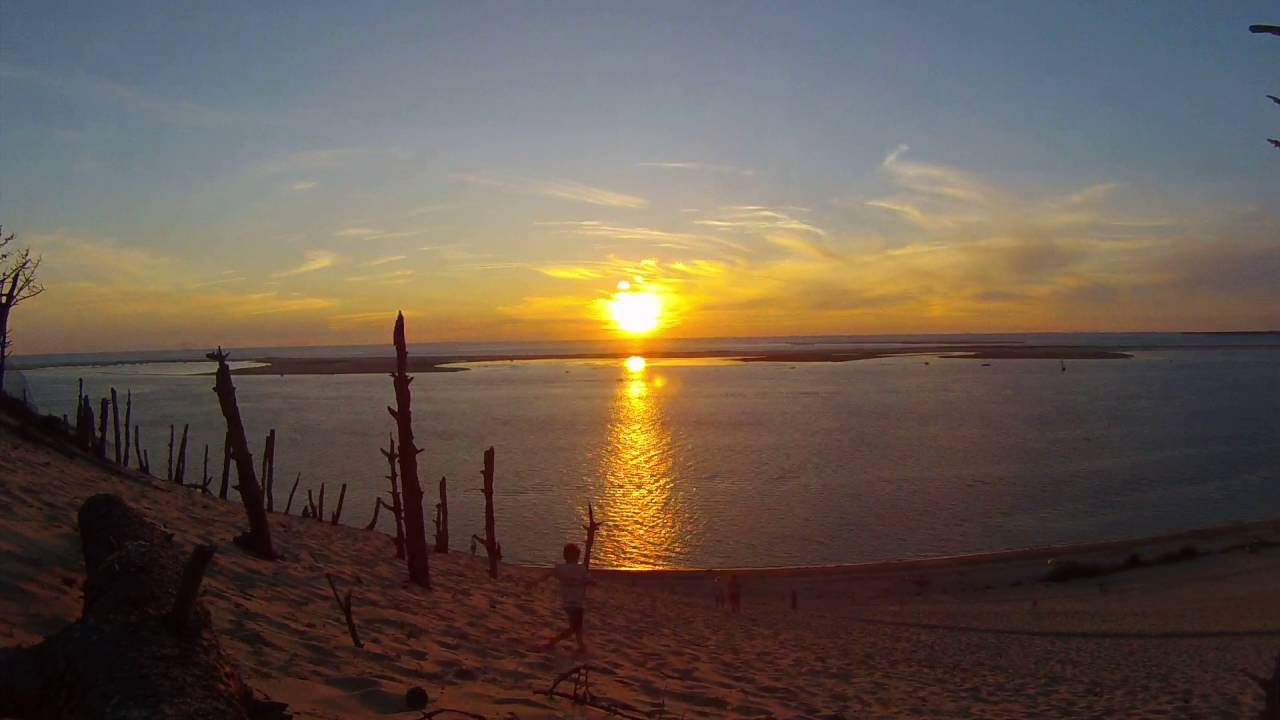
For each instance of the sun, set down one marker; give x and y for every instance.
(636, 313)
(635, 363)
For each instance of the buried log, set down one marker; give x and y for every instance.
(123, 658)
(345, 606)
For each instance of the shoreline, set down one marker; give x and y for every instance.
(280, 365)
(1213, 533)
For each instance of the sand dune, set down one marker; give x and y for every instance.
(1167, 641)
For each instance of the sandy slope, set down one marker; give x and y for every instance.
(918, 642)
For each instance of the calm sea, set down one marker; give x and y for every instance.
(721, 463)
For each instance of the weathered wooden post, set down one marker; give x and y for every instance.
(115, 424)
(169, 473)
(258, 539)
(320, 506)
(415, 532)
(491, 546)
(442, 518)
(377, 505)
(396, 508)
(591, 528)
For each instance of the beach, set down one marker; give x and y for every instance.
(964, 637)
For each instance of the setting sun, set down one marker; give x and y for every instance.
(635, 312)
(635, 363)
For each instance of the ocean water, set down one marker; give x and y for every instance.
(721, 463)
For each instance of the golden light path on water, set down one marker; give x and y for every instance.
(640, 503)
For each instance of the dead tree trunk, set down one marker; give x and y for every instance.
(258, 539)
(84, 423)
(320, 505)
(102, 431)
(377, 505)
(415, 532)
(124, 658)
(292, 490)
(115, 424)
(226, 466)
(491, 546)
(337, 513)
(345, 607)
(180, 472)
(143, 465)
(442, 518)
(269, 469)
(204, 472)
(128, 418)
(396, 507)
(169, 473)
(591, 528)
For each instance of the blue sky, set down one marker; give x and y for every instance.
(295, 174)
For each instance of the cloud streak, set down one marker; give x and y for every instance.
(559, 190)
(316, 260)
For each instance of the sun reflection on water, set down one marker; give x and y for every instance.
(643, 511)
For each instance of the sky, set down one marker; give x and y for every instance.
(259, 174)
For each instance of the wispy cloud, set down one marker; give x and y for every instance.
(303, 185)
(316, 260)
(560, 190)
(700, 166)
(384, 260)
(308, 160)
(168, 110)
(368, 233)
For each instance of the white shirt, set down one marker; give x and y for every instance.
(573, 584)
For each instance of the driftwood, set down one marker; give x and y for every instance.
(591, 528)
(391, 457)
(337, 513)
(415, 532)
(124, 658)
(344, 604)
(258, 539)
(115, 424)
(442, 518)
(492, 548)
(582, 695)
(292, 490)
